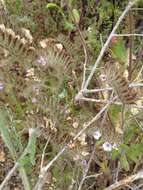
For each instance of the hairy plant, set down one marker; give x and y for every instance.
(13, 43)
(120, 84)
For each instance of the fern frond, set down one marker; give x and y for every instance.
(120, 84)
(52, 69)
(73, 50)
(53, 59)
(13, 43)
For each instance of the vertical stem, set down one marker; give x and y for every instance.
(130, 23)
(123, 117)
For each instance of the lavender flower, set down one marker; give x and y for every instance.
(84, 163)
(107, 146)
(97, 135)
(41, 61)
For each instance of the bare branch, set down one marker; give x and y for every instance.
(128, 35)
(87, 168)
(125, 181)
(9, 175)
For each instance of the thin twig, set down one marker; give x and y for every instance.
(137, 9)
(43, 154)
(9, 175)
(123, 113)
(125, 181)
(128, 35)
(110, 88)
(130, 23)
(87, 169)
(93, 176)
(117, 172)
(103, 101)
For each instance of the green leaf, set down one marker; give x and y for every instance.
(63, 94)
(119, 51)
(76, 15)
(130, 132)
(24, 161)
(31, 148)
(55, 6)
(115, 110)
(124, 162)
(135, 151)
(30, 151)
(115, 154)
(69, 26)
(6, 134)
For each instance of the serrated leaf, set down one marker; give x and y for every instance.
(6, 135)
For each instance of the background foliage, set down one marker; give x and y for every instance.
(39, 79)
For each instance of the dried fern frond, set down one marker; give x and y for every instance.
(13, 43)
(57, 46)
(120, 84)
(72, 49)
(54, 66)
(52, 59)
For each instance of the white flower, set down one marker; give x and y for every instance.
(34, 100)
(107, 146)
(30, 72)
(89, 29)
(97, 135)
(77, 157)
(1, 86)
(103, 77)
